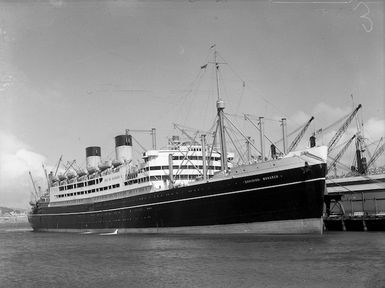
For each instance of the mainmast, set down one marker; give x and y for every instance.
(220, 108)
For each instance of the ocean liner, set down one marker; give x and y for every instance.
(187, 187)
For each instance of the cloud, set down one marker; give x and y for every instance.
(325, 115)
(16, 159)
(374, 129)
(300, 118)
(330, 119)
(56, 3)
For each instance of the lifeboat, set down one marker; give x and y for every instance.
(105, 165)
(54, 178)
(71, 174)
(83, 177)
(62, 177)
(81, 173)
(92, 170)
(116, 163)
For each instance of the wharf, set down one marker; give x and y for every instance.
(354, 223)
(337, 218)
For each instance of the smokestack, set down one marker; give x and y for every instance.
(123, 148)
(93, 154)
(312, 141)
(273, 151)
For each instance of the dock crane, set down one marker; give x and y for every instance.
(339, 155)
(297, 139)
(46, 176)
(377, 153)
(342, 129)
(366, 146)
(58, 164)
(34, 186)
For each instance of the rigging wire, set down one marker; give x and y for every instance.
(185, 156)
(257, 117)
(267, 101)
(212, 146)
(238, 76)
(211, 130)
(222, 87)
(137, 142)
(231, 68)
(290, 134)
(239, 142)
(209, 95)
(267, 138)
(231, 139)
(240, 132)
(192, 88)
(187, 128)
(239, 138)
(193, 92)
(321, 131)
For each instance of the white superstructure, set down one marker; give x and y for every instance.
(182, 161)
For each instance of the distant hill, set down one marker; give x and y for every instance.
(11, 211)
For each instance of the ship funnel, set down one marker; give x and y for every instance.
(123, 148)
(273, 151)
(93, 154)
(312, 141)
(175, 139)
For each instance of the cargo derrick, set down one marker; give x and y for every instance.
(297, 139)
(377, 153)
(332, 143)
(339, 155)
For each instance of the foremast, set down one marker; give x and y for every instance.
(220, 108)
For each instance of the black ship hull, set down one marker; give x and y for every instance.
(286, 201)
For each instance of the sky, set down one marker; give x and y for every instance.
(75, 74)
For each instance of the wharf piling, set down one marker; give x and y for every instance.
(337, 219)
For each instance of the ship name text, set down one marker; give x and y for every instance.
(263, 179)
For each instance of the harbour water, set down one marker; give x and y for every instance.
(335, 259)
